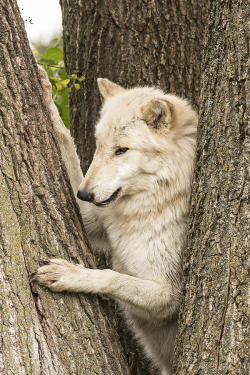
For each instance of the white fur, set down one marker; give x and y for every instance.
(145, 227)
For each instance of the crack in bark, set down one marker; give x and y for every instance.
(223, 319)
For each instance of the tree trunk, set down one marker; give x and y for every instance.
(41, 332)
(132, 43)
(213, 319)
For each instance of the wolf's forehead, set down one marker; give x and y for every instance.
(116, 124)
(116, 129)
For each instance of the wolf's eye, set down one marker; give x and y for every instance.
(121, 150)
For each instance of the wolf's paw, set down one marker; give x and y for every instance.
(58, 275)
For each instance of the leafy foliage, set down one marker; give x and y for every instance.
(51, 58)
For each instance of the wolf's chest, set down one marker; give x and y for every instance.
(148, 250)
(136, 250)
(131, 259)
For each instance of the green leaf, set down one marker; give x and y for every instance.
(53, 55)
(65, 82)
(63, 74)
(59, 86)
(77, 86)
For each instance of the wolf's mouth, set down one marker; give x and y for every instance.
(109, 200)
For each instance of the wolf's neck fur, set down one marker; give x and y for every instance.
(149, 226)
(147, 205)
(147, 231)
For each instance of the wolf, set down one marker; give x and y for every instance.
(134, 202)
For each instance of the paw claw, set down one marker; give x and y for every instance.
(33, 276)
(52, 273)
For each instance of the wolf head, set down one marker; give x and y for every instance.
(139, 139)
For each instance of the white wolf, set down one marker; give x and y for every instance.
(138, 191)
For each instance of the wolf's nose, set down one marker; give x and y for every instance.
(85, 196)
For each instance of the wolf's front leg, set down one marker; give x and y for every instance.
(146, 298)
(92, 224)
(62, 135)
(60, 275)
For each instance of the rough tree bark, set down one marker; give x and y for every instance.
(132, 43)
(41, 332)
(213, 321)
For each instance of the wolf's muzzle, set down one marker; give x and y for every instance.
(85, 196)
(109, 200)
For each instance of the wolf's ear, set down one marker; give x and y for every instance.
(158, 113)
(108, 88)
